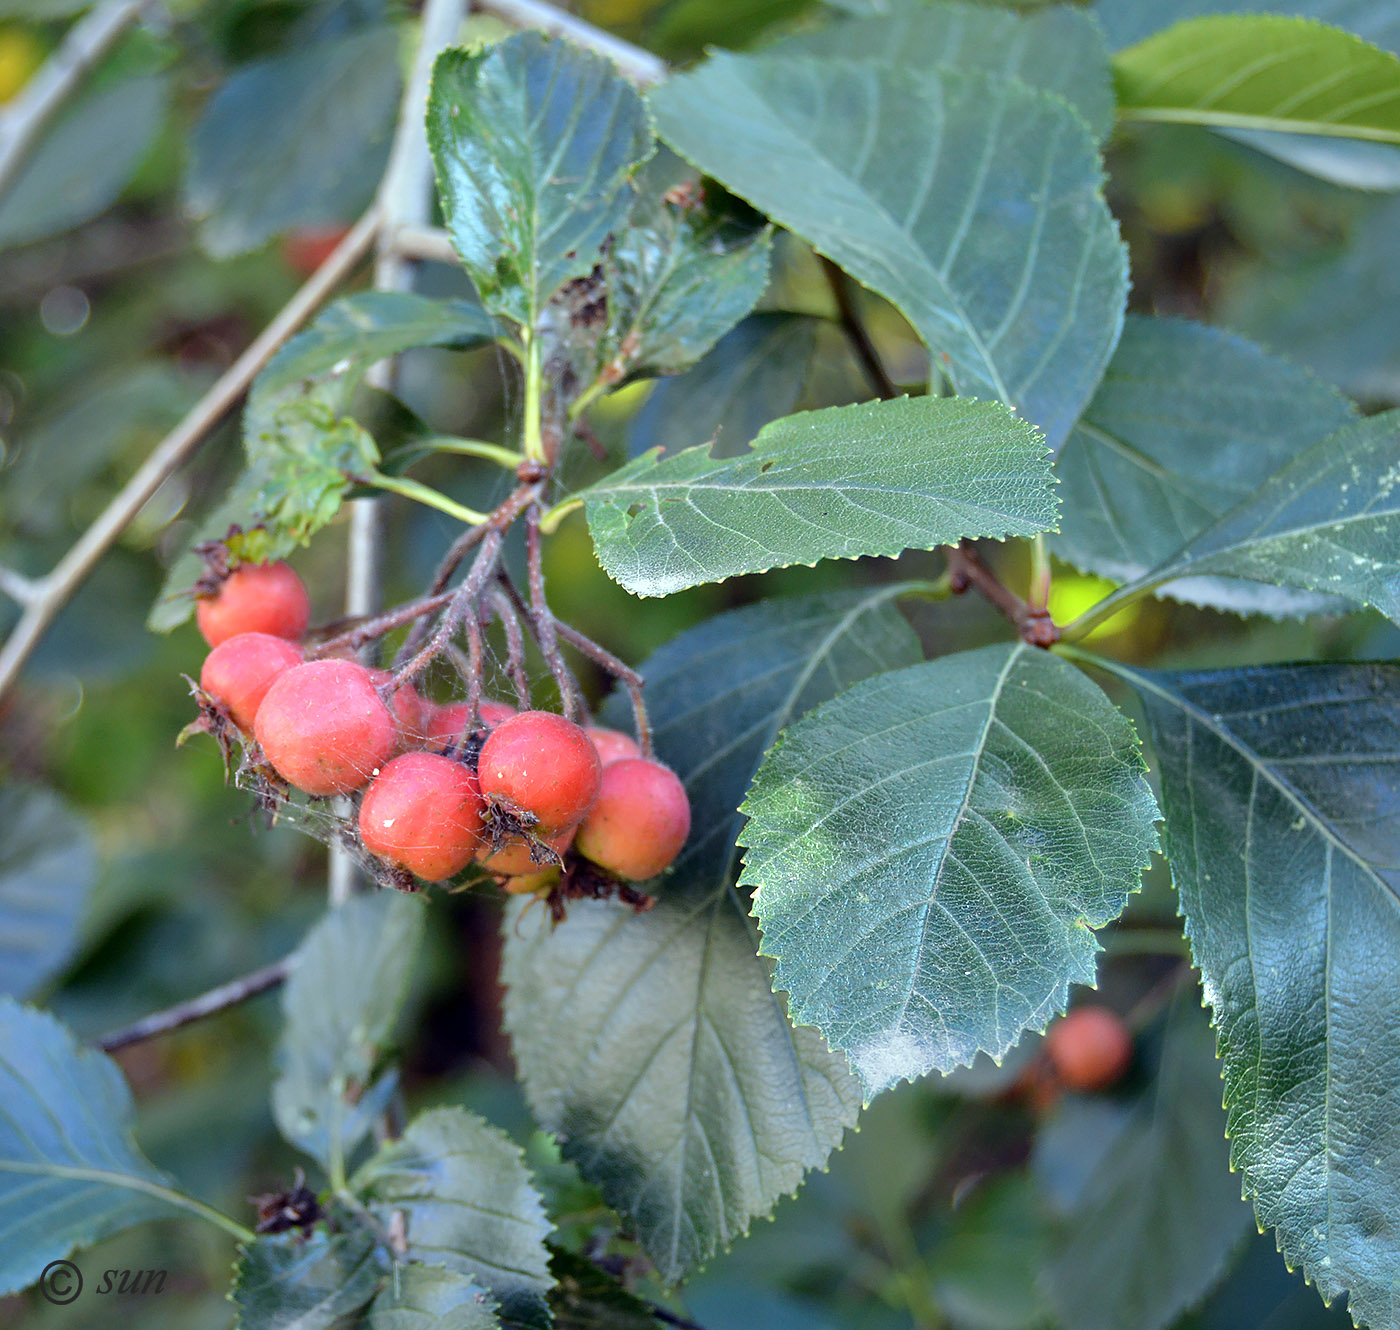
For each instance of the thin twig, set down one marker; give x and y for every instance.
(622, 672)
(966, 569)
(20, 589)
(855, 330)
(636, 63)
(88, 40)
(542, 619)
(196, 1009)
(375, 626)
(462, 604)
(515, 646)
(172, 451)
(430, 243)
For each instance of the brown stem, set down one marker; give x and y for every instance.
(367, 630)
(543, 621)
(966, 569)
(462, 604)
(195, 1009)
(851, 324)
(515, 645)
(624, 674)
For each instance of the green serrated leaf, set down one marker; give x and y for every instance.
(431, 1297)
(340, 1006)
(653, 1044)
(465, 1192)
(47, 869)
(70, 1172)
(877, 478)
(1057, 50)
(79, 166)
(297, 139)
(753, 375)
(1278, 785)
(932, 848)
(985, 226)
(1376, 20)
(533, 141)
(1188, 422)
(297, 1281)
(1161, 1216)
(1262, 72)
(1329, 521)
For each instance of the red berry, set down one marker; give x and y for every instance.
(423, 812)
(446, 724)
(323, 727)
(239, 671)
(639, 821)
(543, 764)
(514, 857)
(408, 707)
(1090, 1048)
(612, 745)
(255, 598)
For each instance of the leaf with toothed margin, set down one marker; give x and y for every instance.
(973, 204)
(469, 1204)
(1188, 421)
(653, 1044)
(297, 1281)
(430, 1297)
(1281, 789)
(848, 481)
(931, 849)
(1328, 521)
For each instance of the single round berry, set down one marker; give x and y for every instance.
(1090, 1048)
(446, 724)
(255, 598)
(612, 745)
(516, 857)
(238, 672)
(423, 812)
(408, 707)
(639, 821)
(323, 727)
(543, 764)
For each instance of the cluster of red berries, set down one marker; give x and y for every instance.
(531, 787)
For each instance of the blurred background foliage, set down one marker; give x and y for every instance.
(170, 211)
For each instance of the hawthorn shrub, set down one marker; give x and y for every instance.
(957, 603)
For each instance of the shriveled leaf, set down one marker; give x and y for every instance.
(931, 849)
(848, 481)
(1329, 521)
(297, 139)
(70, 1172)
(1188, 422)
(466, 1194)
(353, 333)
(297, 1281)
(1057, 50)
(1281, 798)
(1262, 71)
(79, 166)
(653, 1044)
(431, 1297)
(752, 375)
(973, 204)
(1376, 20)
(340, 1006)
(1161, 1216)
(533, 141)
(47, 869)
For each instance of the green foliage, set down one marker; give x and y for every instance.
(296, 1281)
(1276, 785)
(1160, 1218)
(988, 230)
(340, 1007)
(533, 141)
(468, 1204)
(653, 1044)
(1262, 72)
(294, 140)
(930, 850)
(47, 868)
(431, 1297)
(1375, 20)
(84, 161)
(1057, 50)
(69, 1170)
(877, 478)
(1188, 422)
